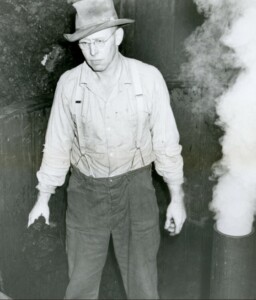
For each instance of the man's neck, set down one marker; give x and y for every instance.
(108, 79)
(111, 75)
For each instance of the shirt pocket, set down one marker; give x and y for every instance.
(93, 126)
(143, 111)
(80, 116)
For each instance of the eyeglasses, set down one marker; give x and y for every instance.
(97, 43)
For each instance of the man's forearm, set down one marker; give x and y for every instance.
(43, 197)
(176, 191)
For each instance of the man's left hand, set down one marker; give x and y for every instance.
(175, 216)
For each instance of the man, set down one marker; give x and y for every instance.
(111, 118)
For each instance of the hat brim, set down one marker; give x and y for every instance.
(84, 32)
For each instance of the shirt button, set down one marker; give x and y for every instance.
(108, 128)
(111, 154)
(110, 180)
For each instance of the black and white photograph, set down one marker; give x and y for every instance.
(128, 149)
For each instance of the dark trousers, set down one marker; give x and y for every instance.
(126, 207)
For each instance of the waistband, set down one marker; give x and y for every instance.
(78, 174)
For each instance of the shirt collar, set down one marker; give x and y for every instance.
(125, 77)
(129, 75)
(85, 73)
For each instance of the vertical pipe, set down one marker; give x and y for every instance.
(232, 269)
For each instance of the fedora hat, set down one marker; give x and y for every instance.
(93, 16)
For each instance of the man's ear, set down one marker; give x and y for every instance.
(119, 36)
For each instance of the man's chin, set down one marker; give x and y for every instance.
(97, 66)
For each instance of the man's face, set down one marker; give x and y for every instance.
(99, 49)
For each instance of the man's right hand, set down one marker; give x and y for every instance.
(41, 208)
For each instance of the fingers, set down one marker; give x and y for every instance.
(173, 226)
(170, 226)
(175, 217)
(29, 223)
(167, 224)
(31, 220)
(178, 227)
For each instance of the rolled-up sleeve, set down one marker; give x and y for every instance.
(165, 135)
(58, 143)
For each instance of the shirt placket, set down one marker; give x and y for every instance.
(108, 119)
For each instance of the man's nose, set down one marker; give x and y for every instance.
(93, 49)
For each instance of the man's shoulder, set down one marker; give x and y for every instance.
(69, 81)
(149, 75)
(71, 75)
(145, 70)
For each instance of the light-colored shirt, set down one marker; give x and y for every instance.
(105, 137)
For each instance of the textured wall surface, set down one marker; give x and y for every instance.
(30, 30)
(33, 55)
(159, 32)
(32, 262)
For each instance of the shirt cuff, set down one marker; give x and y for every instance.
(44, 188)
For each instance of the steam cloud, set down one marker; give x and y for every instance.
(222, 63)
